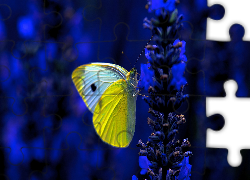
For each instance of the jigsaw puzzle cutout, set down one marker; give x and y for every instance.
(218, 30)
(234, 111)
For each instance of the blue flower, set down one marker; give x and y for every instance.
(178, 80)
(169, 5)
(134, 177)
(182, 49)
(185, 169)
(144, 163)
(147, 55)
(146, 78)
(150, 54)
(26, 27)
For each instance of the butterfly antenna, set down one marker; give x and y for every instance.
(143, 50)
(126, 57)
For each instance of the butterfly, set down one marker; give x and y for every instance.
(109, 91)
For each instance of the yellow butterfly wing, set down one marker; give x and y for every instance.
(91, 81)
(115, 120)
(105, 91)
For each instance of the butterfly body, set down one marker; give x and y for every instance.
(109, 91)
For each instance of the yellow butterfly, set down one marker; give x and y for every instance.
(109, 91)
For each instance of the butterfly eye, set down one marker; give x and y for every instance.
(93, 87)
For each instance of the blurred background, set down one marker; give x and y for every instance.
(46, 129)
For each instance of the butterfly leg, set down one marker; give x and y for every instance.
(136, 93)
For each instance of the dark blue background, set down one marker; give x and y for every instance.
(46, 129)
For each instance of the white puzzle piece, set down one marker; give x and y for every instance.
(235, 134)
(235, 13)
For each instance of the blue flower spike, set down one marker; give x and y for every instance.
(163, 156)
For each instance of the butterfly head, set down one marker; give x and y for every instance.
(132, 74)
(132, 77)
